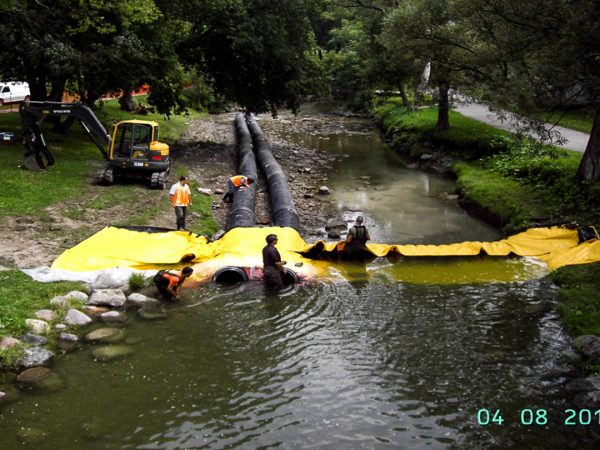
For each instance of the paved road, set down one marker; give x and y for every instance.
(576, 140)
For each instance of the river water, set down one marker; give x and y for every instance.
(404, 354)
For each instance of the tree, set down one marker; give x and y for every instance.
(258, 52)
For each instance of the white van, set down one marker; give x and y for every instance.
(13, 91)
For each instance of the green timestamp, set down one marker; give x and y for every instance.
(540, 417)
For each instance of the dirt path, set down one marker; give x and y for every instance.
(207, 149)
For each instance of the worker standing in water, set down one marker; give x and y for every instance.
(355, 247)
(273, 269)
(237, 182)
(181, 198)
(168, 283)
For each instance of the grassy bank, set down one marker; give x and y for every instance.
(68, 188)
(517, 183)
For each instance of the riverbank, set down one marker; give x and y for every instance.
(511, 184)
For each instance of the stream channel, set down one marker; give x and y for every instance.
(400, 354)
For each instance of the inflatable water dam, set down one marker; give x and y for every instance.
(241, 248)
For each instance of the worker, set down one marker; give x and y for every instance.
(238, 182)
(181, 198)
(355, 244)
(168, 283)
(273, 269)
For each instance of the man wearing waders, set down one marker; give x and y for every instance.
(355, 244)
(168, 283)
(273, 269)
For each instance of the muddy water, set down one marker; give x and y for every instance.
(387, 355)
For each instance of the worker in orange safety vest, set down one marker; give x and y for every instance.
(237, 182)
(181, 198)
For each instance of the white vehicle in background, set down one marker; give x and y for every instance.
(13, 92)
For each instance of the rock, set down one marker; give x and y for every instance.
(333, 234)
(77, 296)
(152, 313)
(111, 352)
(107, 297)
(140, 300)
(68, 342)
(8, 342)
(426, 157)
(588, 345)
(76, 317)
(36, 356)
(34, 339)
(365, 177)
(218, 235)
(113, 316)
(205, 191)
(60, 327)
(60, 302)
(37, 326)
(324, 190)
(8, 394)
(219, 191)
(307, 195)
(578, 385)
(95, 310)
(336, 224)
(104, 281)
(45, 314)
(539, 308)
(105, 336)
(39, 379)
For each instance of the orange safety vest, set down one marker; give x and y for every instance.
(237, 181)
(182, 195)
(173, 278)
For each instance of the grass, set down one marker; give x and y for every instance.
(20, 297)
(578, 119)
(580, 297)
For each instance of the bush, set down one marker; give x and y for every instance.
(137, 281)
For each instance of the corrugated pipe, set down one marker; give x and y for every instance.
(282, 205)
(244, 200)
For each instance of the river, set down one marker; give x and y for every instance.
(417, 353)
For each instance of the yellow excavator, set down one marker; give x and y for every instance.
(131, 149)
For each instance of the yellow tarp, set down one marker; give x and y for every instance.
(118, 247)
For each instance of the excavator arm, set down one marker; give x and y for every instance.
(33, 114)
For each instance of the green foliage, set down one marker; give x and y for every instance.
(580, 297)
(20, 297)
(10, 355)
(137, 281)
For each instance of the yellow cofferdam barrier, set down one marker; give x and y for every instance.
(242, 247)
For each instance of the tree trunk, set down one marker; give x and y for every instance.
(589, 168)
(443, 122)
(126, 101)
(405, 102)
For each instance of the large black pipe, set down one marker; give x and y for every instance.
(282, 205)
(244, 200)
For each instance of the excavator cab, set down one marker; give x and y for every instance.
(134, 149)
(131, 149)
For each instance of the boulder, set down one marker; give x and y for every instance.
(104, 281)
(37, 326)
(105, 336)
(39, 379)
(36, 356)
(60, 301)
(45, 314)
(337, 225)
(114, 316)
(324, 190)
(76, 317)
(107, 297)
(77, 296)
(205, 191)
(333, 234)
(67, 341)
(111, 352)
(152, 313)
(34, 339)
(60, 327)
(588, 345)
(140, 300)
(8, 342)
(95, 310)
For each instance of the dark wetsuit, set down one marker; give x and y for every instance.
(272, 275)
(356, 249)
(164, 280)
